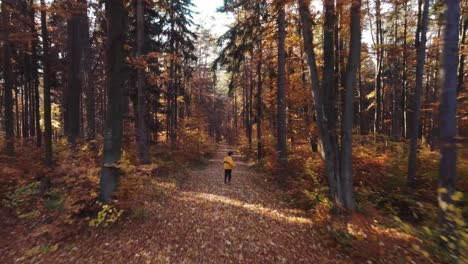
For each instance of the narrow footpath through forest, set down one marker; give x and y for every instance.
(207, 221)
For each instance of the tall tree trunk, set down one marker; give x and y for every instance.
(378, 76)
(281, 93)
(8, 97)
(172, 93)
(73, 94)
(87, 80)
(259, 103)
(461, 62)
(329, 100)
(404, 91)
(448, 124)
(350, 83)
(142, 133)
(115, 12)
(414, 126)
(37, 107)
(318, 95)
(46, 81)
(250, 101)
(396, 106)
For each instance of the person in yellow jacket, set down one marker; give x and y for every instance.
(228, 166)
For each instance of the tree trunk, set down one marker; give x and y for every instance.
(461, 63)
(350, 83)
(142, 133)
(259, 103)
(396, 106)
(327, 146)
(87, 79)
(448, 124)
(378, 76)
(8, 85)
(115, 12)
(414, 125)
(35, 79)
(46, 81)
(404, 91)
(73, 94)
(281, 93)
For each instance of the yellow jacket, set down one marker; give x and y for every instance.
(228, 163)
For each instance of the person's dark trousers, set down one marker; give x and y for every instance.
(227, 176)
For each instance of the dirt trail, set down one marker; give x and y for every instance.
(206, 221)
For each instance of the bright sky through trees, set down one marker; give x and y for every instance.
(208, 16)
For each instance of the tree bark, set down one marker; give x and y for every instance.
(46, 81)
(142, 133)
(115, 12)
(378, 76)
(317, 95)
(87, 79)
(259, 103)
(461, 62)
(350, 83)
(414, 125)
(73, 93)
(281, 93)
(8, 96)
(448, 123)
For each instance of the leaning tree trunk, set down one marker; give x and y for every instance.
(8, 85)
(327, 145)
(142, 129)
(46, 81)
(448, 125)
(115, 12)
(350, 82)
(281, 94)
(414, 125)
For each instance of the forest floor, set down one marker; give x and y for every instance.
(202, 220)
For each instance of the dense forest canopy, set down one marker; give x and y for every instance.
(347, 105)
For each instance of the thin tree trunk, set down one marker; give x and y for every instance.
(87, 79)
(378, 77)
(414, 127)
(142, 134)
(46, 81)
(259, 103)
(404, 91)
(37, 111)
(281, 93)
(461, 63)
(115, 12)
(8, 85)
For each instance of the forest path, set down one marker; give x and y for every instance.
(206, 221)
